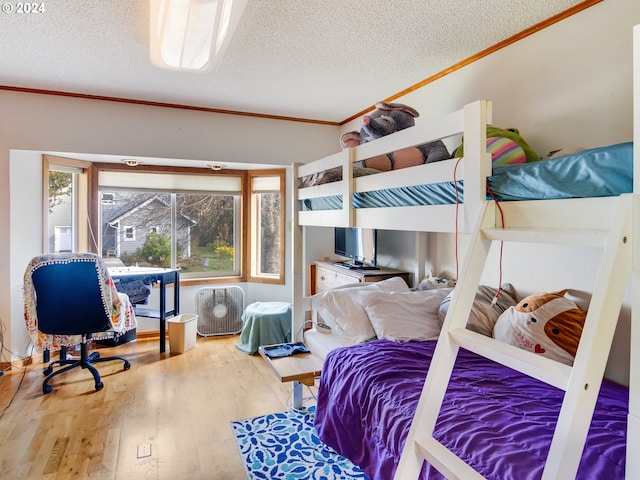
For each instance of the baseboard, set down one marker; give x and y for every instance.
(37, 357)
(21, 363)
(150, 335)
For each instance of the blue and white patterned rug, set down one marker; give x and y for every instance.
(285, 446)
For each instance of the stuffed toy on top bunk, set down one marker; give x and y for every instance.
(386, 119)
(506, 146)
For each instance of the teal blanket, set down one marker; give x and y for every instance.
(265, 323)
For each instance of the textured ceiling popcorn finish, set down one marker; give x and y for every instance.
(325, 60)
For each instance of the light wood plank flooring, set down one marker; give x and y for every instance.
(175, 407)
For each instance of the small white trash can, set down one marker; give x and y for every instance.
(182, 332)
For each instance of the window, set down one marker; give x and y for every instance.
(211, 225)
(129, 234)
(107, 198)
(182, 220)
(63, 239)
(62, 209)
(267, 226)
(67, 223)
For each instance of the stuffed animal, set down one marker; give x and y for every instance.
(432, 282)
(506, 147)
(386, 119)
(547, 324)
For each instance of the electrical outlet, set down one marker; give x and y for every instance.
(144, 450)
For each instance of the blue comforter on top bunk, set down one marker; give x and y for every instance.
(597, 172)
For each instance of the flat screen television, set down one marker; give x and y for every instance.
(358, 244)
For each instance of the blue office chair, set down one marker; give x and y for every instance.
(70, 299)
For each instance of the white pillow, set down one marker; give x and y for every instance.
(404, 316)
(340, 309)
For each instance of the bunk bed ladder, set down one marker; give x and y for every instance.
(581, 382)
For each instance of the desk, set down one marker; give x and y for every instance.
(150, 275)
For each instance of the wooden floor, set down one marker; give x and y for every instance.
(175, 407)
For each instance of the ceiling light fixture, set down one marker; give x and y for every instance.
(191, 34)
(215, 166)
(131, 162)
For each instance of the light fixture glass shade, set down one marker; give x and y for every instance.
(191, 34)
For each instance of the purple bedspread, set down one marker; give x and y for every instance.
(500, 421)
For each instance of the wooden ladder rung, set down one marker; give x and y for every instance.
(447, 462)
(587, 238)
(536, 366)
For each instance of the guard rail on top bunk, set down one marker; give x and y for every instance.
(470, 121)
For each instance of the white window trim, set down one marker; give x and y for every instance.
(126, 236)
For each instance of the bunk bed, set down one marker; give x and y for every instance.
(422, 445)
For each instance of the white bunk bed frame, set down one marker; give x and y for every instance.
(609, 222)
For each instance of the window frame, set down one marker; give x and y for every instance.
(85, 213)
(129, 237)
(254, 228)
(246, 214)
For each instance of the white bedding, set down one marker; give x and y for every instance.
(322, 343)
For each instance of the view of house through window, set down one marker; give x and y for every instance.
(184, 221)
(66, 221)
(62, 218)
(195, 232)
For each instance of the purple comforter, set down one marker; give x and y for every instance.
(500, 421)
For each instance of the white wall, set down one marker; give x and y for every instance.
(567, 85)
(31, 123)
(25, 228)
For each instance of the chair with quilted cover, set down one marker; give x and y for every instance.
(69, 299)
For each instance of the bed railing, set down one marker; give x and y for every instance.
(470, 121)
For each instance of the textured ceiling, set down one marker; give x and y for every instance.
(320, 60)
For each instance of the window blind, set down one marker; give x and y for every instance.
(228, 184)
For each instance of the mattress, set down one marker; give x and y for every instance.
(597, 172)
(500, 421)
(321, 344)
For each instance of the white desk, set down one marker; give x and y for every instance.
(151, 275)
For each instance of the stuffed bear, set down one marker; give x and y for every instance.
(547, 324)
(386, 119)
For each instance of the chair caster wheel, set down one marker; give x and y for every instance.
(46, 389)
(47, 371)
(127, 365)
(99, 386)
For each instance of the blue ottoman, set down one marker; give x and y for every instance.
(265, 323)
